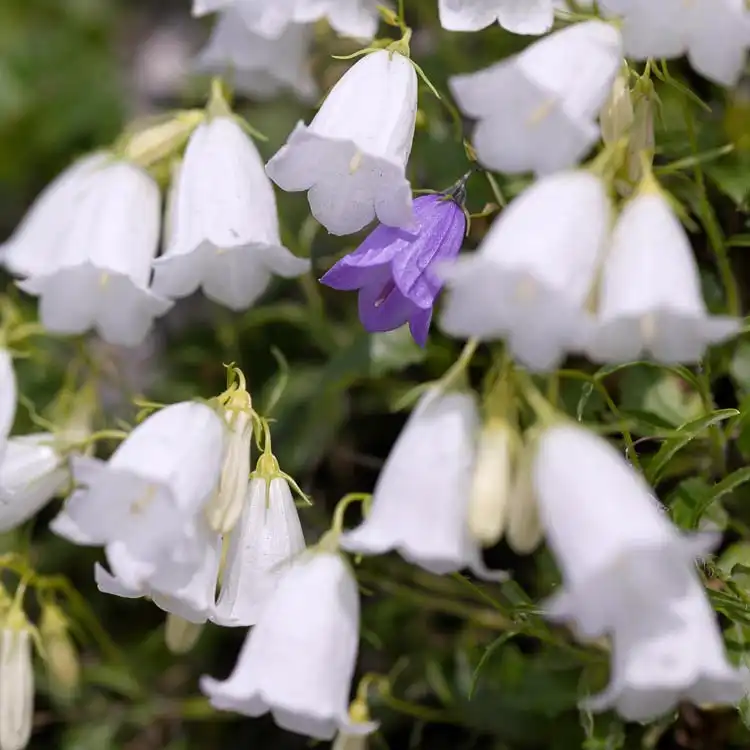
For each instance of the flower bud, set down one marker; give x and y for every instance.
(181, 635)
(359, 713)
(63, 665)
(226, 507)
(642, 139)
(524, 531)
(16, 682)
(490, 491)
(152, 144)
(616, 118)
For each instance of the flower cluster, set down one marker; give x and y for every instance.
(590, 258)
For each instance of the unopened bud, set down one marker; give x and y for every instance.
(153, 144)
(524, 531)
(617, 115)
(63, 664)
(226, 507)
(16, 683)
(488, 504)
(180, 635)
(642, 139)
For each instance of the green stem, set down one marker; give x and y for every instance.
(711, 224)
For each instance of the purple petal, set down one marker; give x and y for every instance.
(419, 325)
(442, 228)
(379, 249)
(383, 308)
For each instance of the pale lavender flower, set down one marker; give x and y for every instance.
(393, 269)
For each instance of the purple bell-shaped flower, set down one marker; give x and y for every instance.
(393, 269)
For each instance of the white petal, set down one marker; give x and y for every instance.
(192, 599)
(261, 547)
(667, 655)
(617, 550)
(298, 661)
(537, 110)
(352, 157)
(530, 279)
(650, 298)
(354, 18)
(518, 16)
(157, 479)
(267, 19)
(8, 396)
(31, 473)
(258, 66)
(203, 7)
(225, 221)
(109, 584)
(420, 503)
(33, 248)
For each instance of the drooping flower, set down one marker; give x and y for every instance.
(35, 245)
(529, 17)
(257, 66)
(666, 654)
(421, 500)
(714, 34)
(352, 157)
(262, 546)
(225, 235)
(392, 268)
(298, 661)
(530, 279)
(537, 110)
(180, 579)
(618, 552)
(32, 472)
(98, 277)
(355, 18)
(650, 298)
(154, 484)
(16, 681)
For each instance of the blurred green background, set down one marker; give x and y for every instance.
(473, 667)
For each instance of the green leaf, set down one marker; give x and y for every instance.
(394, 351)
(494, 646)
(724, 487)
(685, 434)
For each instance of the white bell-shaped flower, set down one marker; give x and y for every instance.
(225, 236)
(8, 397)
(617, 550)
(154, 483)
(298, 661)
(34, 248)
(715, 34)
(262, 546)
(257, 66)
(537, 111)
(352, 157)
(354, 18)
(420, 505)
(667, 654)
(102, 266)
(532, 276)
(525, 17)
(183, 585)
(16, 682)
(650, 299)
(32, 472)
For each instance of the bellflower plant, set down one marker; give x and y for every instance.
(393, 269)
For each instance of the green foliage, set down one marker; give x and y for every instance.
(472, 666)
